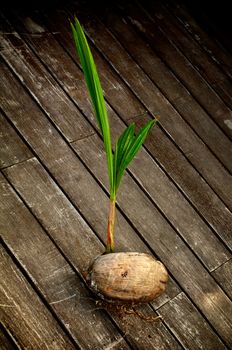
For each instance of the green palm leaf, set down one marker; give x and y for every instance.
(127, 147)
(128, 143)
(96, 93)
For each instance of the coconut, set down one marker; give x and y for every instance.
(129, 277)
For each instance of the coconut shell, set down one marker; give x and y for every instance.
(127, 277)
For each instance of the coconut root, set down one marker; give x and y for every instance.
(123, 310)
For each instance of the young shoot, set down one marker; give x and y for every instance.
(127, 145)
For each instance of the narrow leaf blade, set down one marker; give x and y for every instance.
(131, 152)
(96, 93)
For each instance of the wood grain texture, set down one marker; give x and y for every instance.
(193, 148)
(169, 205)
(6, 341)
(181, 67)
(80, 198)
(148, 335)
(73, 304)
(56, 213)
(208, 43)
(74, 230)
(122, 101)
(53, 276)
(171, 87)
(223, 276)
(29, 69)
(193, 186)
(193, 331)
(44, 49)
(91, 148)
(58, 157)
(12, 148)
(168, 246)
(24, 314)
(192, 50)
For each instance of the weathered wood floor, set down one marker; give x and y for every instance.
(175, 201)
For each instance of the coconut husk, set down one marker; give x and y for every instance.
(127, 277)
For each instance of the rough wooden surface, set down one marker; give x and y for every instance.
(223, 275)
(24, 314)
(12, 149)
(175, 200)
(6, 341)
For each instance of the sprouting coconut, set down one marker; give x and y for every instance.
(129, 277)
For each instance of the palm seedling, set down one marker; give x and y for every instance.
(131, 277)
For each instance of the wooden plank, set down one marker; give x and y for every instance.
(43, 47)
(23, 313)
(12, 148)
(180, 261)
(30, 171)
(186, 266)
(149, 334)
(193, 331)
(58, 156)
(55, 202)
(211, 261)
(46, 49)
(39, 178)
(181, 68)
(203, 198)
(214, 49)
(6, 342)
(49, 205)
(55, 212)
(125, 103)
(223, 276)
(55, 147)
(53, 276)
(192, 50)
(70, 76)
(63, 113)
(199, 237)
(171, 87)
(181, 133)
(214, 20)
(87, 196)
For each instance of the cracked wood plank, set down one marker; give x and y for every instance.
(181, 67)
(194, 279)
(202, 241)
(210, 45)
(223, 275)
(180, 132)
(28, 319)
(192, 50)
(54, 57)
(87, 196)
(189, 326)
(179, 96)
(63, 112)
(58, 156)
(6, 341)
(12, 148)
(191, 145)
(62, 220)
(59, 284)
(59, 301)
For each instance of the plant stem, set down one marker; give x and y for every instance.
(110, 227)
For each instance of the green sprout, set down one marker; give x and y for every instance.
(127, 145)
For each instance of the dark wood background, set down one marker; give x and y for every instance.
(168, 59)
